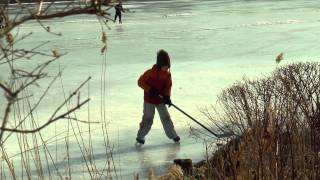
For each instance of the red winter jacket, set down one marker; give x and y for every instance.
(158, 79)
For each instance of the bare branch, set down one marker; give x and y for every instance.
(7, 90)
(51, 120)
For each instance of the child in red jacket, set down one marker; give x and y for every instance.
(156, 83)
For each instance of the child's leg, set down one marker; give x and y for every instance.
(166, 121)
(147, 120)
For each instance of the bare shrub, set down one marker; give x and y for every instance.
(276, 123)
(19, 120)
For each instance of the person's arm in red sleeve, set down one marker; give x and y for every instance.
(168, 85)
(167, 91)
(142, 81)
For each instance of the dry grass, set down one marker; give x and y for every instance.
(276, 122)
(23, 125)
(174, 173)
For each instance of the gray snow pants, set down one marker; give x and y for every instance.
(147, 120)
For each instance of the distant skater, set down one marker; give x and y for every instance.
(156, 83)
(119, 9)
(2, 22)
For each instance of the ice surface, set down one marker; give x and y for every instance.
(212, 44)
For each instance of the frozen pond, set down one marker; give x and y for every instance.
(212, 44)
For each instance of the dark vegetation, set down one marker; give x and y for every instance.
(276, 122)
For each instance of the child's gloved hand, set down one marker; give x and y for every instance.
(167, 100)
(153, 92)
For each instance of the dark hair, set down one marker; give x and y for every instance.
(163, 58)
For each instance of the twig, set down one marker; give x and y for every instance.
(3, 129)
